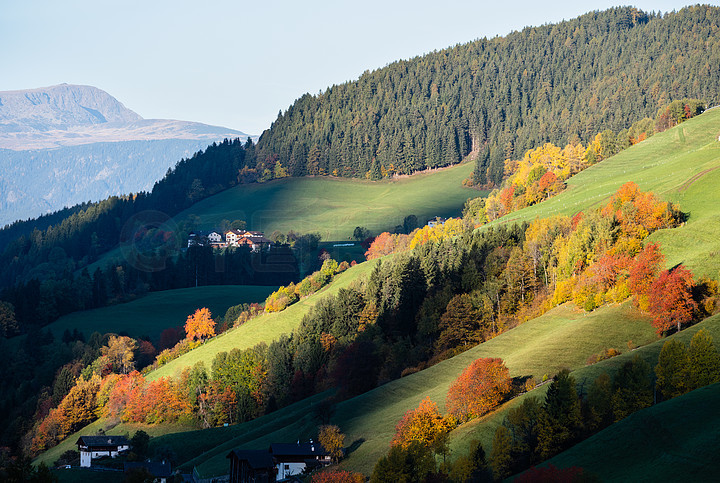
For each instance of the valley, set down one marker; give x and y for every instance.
(546, 312)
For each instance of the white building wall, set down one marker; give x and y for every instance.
(289, 469)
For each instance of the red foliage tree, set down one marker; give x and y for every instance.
(643, 271)
(606, 269)
(169, 337)
(670, 298)
(384, 244)
(547, 180)
(480, 388)
(506, 198)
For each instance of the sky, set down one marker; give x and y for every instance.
(237, 64)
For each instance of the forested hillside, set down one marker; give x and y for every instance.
(496, 98)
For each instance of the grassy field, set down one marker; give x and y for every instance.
(334, 206)
(157, 311)
(682, 448)
(331, 206)
(564, 337)
(680, 165)
(676, 440)
(124, 429)
(264, 328)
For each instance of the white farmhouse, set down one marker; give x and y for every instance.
(92, 447)
(293, 459)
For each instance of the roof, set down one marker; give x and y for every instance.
(103, 441)
(255, 239)
(256, 458)
(156, 468)
(298, 449)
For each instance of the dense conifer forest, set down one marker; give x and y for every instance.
(493, 99)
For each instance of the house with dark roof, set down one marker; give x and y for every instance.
(160, 470)
(280, 462)
(251, 466)
(295, 458)
(92, 447)
(255, 242)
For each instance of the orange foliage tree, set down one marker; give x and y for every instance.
(670, 298)
(200, 325)
(480, 387)
(386, 243)
(424, 425)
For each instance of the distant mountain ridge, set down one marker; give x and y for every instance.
(66, 144)
(60, 107)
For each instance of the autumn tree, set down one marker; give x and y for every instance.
(643, 270)
(120, 353)
(332, 439)
(480, 388)
(8, 323)
(200, 325)
(424, 425)
(671, 302)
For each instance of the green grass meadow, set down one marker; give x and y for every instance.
(676, 440)
(335, 206)
(264, 328)
(155, 312)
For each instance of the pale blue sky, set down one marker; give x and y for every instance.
(234, 63)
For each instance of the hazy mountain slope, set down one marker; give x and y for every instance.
(58, 107)
(67, 144)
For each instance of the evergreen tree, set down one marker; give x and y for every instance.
(704, 360)
(560, 420)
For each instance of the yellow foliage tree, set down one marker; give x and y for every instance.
(332, 439)
(200, 325)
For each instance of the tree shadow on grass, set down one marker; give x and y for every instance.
(354, 446)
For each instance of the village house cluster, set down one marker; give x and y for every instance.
(232, 238)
